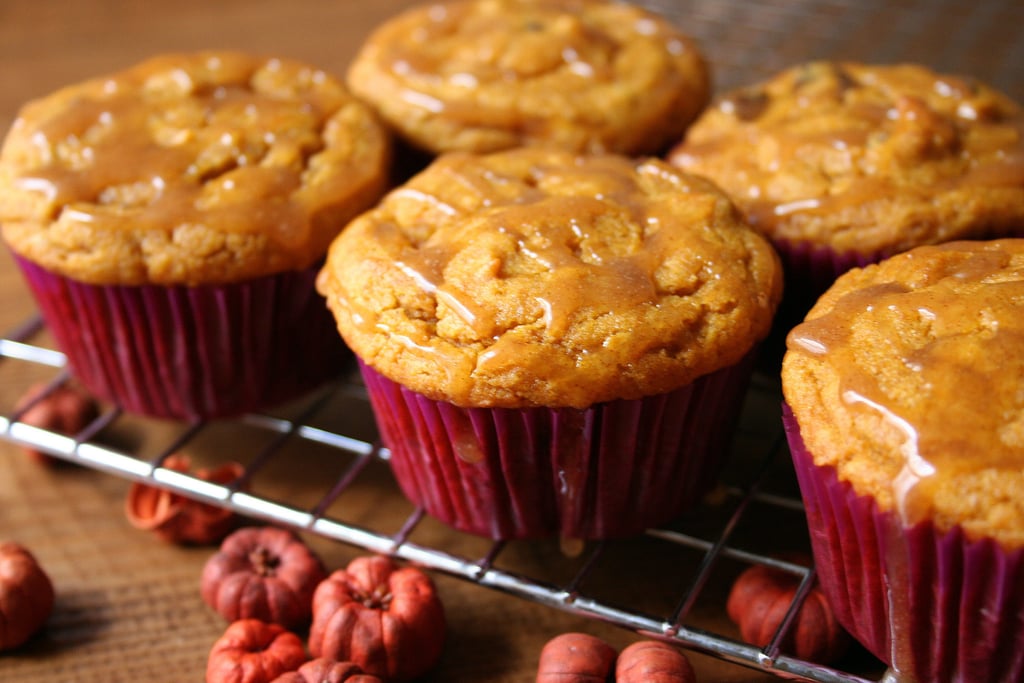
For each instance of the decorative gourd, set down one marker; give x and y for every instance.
(651, 661)
(575, 658)
(263, 573)
(323, 670)
(252, 651)
(65, 410)
(388, 620)
(759, 601)
(26, 595)
(177, 519)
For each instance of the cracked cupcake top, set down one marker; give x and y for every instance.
(486, 75)
(542, 278)
(865, 158)
(906, 377)
(189, 168)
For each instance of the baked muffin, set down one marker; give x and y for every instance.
(842, 164)
(170, 220)
(906, 425)
(554, 344)
(488, 75)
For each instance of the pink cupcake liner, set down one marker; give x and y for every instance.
(808, 270)
(611, 470)
(191, 352)
(933, 605)
(811, 269)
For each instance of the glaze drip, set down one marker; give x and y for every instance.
(536, 272)
(919, 359)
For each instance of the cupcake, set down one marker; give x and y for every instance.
(554, 344)
(170, 220)
(488, 75)
(906, 424)
(842, 164)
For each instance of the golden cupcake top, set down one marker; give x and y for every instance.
(189, 168)
(487, 75)
(542, 278)
(865, 158)
(907, 377)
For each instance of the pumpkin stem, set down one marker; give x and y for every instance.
(380, 598)
(263, 561)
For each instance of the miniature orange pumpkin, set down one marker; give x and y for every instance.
(262, 573)
(386, 619)
(26, 595)
(323, 670)
(252, 651)
(176, 518)
(575, 658)
(759, 601)
(65, 410)
(583, 658)
(651, 661)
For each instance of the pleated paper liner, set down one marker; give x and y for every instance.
(934, 605)
(808, 270)
(610, 470)
(191, 352)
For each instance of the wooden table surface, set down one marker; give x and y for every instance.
(128, 606)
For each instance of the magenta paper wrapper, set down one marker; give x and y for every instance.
(934, 605)
(811, 269)
(191, 352)
(610, 470)
(808, 270)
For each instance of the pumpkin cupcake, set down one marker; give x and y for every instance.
(554, 344)
(170, 220)
(906, 423)
(842, 164)
(488, 75)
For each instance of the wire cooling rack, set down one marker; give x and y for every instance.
(745, 42)
(670, 621)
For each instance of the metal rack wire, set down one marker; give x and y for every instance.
(484, 570)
